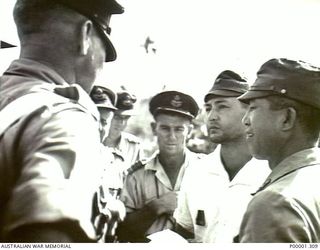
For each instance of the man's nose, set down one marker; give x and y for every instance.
(245, 119)
(172, 134)
(213, 115)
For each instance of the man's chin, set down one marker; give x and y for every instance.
(216, 139)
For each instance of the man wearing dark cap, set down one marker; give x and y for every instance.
(282, 127)
(121, 150)
(50, 145)
(215, 191)
(105, 100)
(107, 209)
(150, 189)
(125, 147)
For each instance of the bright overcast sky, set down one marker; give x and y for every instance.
(196, 39)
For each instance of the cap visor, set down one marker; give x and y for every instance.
(179, 112)
(130, 112)
(254, 94)
(221, 92)
(111, 53)
(106, 107)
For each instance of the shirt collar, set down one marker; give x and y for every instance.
(156, 166)
(26, 67)
(292, 163)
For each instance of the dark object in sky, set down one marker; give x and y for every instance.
(4, 45)
(147, 44)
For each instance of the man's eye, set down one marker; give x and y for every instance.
(222, 107)
(179, 129)
(207, 109)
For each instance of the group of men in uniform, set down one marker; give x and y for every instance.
(70, 174)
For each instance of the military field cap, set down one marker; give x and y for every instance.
(296, 80)
(125, 103)
(103, 97)
(174, 102)
(99, 12)
(228, 84)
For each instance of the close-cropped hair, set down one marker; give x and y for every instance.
(36, 16)
(308, 116)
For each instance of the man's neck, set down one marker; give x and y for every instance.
(289, 148)
(112, 142)
(234, 156)
(171, 165)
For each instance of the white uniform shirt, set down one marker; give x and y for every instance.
(206, 186)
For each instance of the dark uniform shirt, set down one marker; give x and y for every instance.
(288, 207)
(48, 158)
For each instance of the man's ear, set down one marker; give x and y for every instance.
(85, 37)
(190, 128)
(153, 127)
(289, 119)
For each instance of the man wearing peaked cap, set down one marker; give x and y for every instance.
(107, 210)
(125, 147)
(174, 102)
(228, 175)
(121, 149)
(150, 189)
(64, 44)
(105, 100)
(282, 127)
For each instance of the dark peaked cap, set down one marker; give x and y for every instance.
(296, 80)
(228, 84)
(125, 103)
(99, 12)
(103, 97)
(173, 102)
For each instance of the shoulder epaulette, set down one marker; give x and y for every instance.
(131, 138)
(138, 165)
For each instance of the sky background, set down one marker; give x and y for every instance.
(196, 40)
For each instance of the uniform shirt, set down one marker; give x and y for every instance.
(206, 187)
(150, 182)
(48, 158)
(119, 159)
(288, 207)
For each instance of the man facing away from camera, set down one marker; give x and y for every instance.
(282, 127)
(216, 190)
(49, 150)
(151, 187)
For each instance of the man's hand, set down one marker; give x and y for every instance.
(165, 204)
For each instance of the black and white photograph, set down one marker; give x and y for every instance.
(177, 123)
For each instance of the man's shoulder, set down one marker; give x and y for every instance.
(140, 165)
(130, 138)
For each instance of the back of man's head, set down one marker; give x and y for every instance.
(38, 16)
(56, 16)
